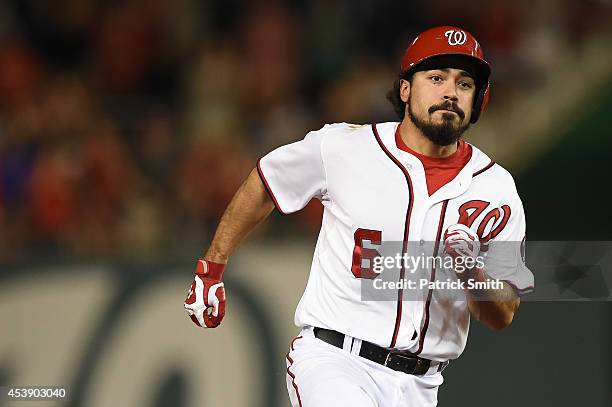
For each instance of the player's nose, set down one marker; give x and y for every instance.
(449, 91)
(450, 94)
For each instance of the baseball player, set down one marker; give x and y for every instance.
(412, 181)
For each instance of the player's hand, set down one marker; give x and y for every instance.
(205, 302)
(461, 242)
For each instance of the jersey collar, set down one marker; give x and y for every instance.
(478, 161)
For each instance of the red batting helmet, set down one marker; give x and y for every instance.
(449, 40)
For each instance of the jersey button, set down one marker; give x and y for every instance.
(421, 242)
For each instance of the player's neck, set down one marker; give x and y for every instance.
(416, 140)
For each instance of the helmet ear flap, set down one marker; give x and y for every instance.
(482, 99)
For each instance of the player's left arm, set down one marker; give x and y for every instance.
(492, 302)
(494, 284)
(493, 307)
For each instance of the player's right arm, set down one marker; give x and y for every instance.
(205, 302)
(288, 178)
(249, 207)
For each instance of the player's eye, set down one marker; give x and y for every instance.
(436, 78)
(466, 84)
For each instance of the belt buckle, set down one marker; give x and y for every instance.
(417, 362)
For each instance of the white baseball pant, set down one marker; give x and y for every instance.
(320, 375)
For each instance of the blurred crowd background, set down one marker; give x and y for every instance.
(126, 126)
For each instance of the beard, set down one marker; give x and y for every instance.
(445, 133)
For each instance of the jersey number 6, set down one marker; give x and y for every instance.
(361, 253)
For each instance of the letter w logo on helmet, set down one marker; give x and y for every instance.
(456, 37)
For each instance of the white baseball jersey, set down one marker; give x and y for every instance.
(373, 191)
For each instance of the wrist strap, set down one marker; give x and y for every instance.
(210, 269)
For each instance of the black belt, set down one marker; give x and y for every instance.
(395, 360)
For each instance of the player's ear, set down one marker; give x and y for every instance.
(404, 90)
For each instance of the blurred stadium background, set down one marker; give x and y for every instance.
(126, 127)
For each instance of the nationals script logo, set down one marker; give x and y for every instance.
(456, 37)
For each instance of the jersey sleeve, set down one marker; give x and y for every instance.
(505, 258)
(294, 173)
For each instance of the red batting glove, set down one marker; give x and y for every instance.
(460, 241)
(205, 302)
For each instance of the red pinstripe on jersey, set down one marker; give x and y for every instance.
(519, 291)
(432, 278)
(265, 182)
(400, 292)
(480, 171)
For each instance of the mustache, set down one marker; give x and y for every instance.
(448, 106)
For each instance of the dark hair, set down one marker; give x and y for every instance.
(393, 95)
